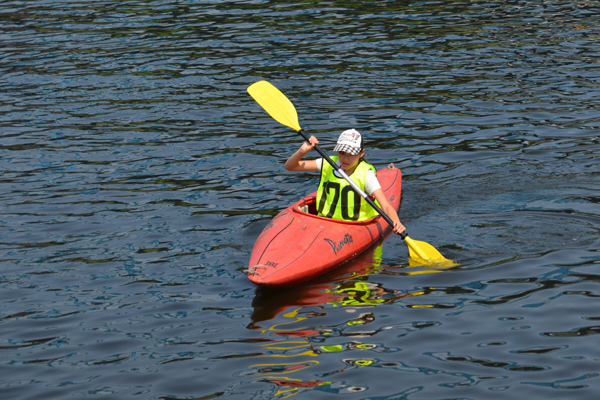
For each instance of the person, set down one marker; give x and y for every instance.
(332, 188)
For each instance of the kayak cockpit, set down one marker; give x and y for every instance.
(308, 206)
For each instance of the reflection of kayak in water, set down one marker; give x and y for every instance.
(299, 245)
(269, 302)
(345, 286)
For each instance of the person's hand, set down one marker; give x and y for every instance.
(308, 146)
(398, 227)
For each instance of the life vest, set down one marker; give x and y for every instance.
(335, 197)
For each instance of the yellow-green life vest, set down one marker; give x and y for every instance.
(337, 200)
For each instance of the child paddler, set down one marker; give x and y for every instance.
(335, 197)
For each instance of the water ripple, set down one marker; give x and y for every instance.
(137, 173)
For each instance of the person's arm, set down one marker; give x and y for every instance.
(387, 208)
(295, 162)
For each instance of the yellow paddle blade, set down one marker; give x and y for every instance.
(275, 103)
(421, 253)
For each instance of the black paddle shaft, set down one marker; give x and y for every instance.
(360, 192)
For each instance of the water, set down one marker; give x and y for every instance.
(137, 173)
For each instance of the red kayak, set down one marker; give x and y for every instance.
(298, 245)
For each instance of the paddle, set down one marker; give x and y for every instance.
(283, 111)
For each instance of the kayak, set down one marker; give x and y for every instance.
(298, 245)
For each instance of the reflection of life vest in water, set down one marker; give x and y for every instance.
(359, 294)
(336, 199)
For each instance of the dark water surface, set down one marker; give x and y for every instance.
(136, 174)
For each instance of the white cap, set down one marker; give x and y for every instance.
(350, 141)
